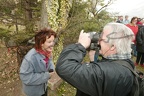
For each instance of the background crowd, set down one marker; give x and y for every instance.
(136, 24)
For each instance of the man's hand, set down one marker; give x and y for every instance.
(91, 54)
(84, 39)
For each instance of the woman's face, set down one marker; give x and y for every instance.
(134, 21)
(48, 44)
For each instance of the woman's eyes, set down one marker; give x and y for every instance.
(50, 41)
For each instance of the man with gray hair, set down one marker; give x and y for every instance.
(104, 78)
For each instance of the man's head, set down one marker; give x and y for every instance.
(116, 38)
(121, 18)
(126, 17)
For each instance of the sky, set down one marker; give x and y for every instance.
(128, 7)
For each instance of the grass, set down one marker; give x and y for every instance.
(138, 67)
(65, 89)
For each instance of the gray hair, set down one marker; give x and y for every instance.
(121, 36)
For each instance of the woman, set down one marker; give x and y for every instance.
(37, 64)
(133, 26)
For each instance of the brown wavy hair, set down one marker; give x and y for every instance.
(133, 18)
(41, 36)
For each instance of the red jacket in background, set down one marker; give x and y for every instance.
(134, 29)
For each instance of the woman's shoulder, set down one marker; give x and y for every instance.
(31, 53)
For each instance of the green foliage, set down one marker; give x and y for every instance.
(6, 6)
(78, 10)
(20, 12)
(22, 38)
(52, 9)
(79, 18)
(4, 33)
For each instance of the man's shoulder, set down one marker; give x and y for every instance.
(107, 65)
(141, 27)
(116, 64)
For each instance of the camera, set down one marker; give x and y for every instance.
(94, 41)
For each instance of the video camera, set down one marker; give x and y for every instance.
(94, 41)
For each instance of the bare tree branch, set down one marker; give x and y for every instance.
(108, 3)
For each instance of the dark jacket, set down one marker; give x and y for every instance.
(105, 78)
(140, 40)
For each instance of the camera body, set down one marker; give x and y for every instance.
(94, 41)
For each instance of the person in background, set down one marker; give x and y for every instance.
(140, 47)
(120, 19)
(134, 27)
(104, 78)
(139, 21)
(142, 21)
(126, 21)
(37, 65)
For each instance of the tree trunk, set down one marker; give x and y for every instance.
(28, 16)
(44, 16)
